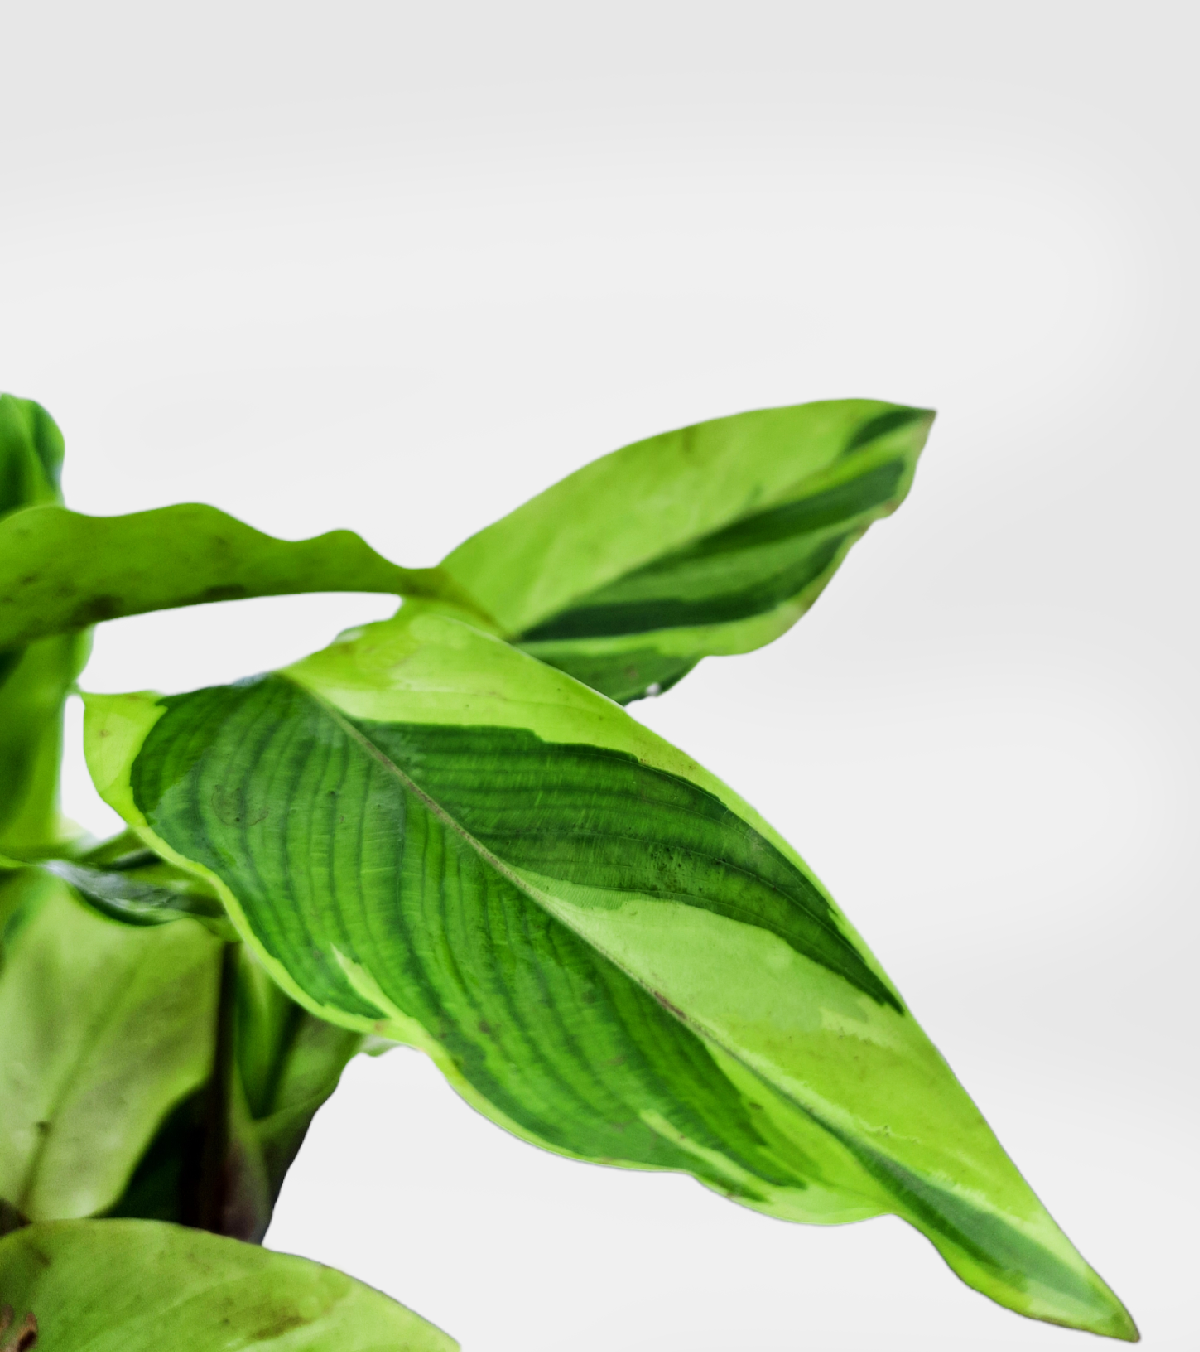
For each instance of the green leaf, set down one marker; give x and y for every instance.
(31, 455)
(220, 1157)
(142, 1286)
(34, 680)
(124, 881)
(710, 540)
(250, 1117)
(103, 1028)
(31, 710)
(60, 571)
(289, 1062)
(426, 835)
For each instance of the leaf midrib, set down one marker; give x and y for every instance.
(510, 875)
(69, 1086)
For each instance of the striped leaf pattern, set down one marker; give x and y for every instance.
(713, 539)
(425, 834)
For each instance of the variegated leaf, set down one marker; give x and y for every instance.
(713, 539)
(428, 835)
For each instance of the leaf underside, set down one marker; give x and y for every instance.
(710, 540)
(427, 835)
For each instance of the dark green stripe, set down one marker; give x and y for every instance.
(753, 581)
(9, 658)
(985, 1237)
(262, 785)
(880, 426)
(597, 817)
(643, 617)
(622, 676)
(831, 507)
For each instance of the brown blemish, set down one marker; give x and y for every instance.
(24, 1337)
(669, 1007)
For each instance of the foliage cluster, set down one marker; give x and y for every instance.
(445, 830)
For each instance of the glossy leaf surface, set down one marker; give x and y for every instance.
(61, 571)
(143, 1286)
(103, 1028)
(427, 835)
(713, 539)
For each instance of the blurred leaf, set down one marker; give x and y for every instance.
(103, 1028)
(34, 680)
(31, 705)
(61, 571)
(124, 881)
(289, 1062)
(142, 1286)
(31, 455)
(249, 1124)
(710, 540)
(426, 835)
(249, 1117)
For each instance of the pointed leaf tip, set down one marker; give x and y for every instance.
(705, 541)
(604, 948)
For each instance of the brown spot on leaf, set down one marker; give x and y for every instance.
(277, 1323)
(23, 1337)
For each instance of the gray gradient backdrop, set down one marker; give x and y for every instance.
(396, 267)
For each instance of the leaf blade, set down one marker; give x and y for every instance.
(139, 1286)
(102, 1030)
(710, 540)
(33, 680)
(587, 969)
(61, 571)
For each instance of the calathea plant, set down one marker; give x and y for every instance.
(444, 830)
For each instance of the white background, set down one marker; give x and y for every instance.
(396, 267)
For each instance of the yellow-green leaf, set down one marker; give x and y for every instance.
(103, 1028)
(145, 1286)
(710, 540)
